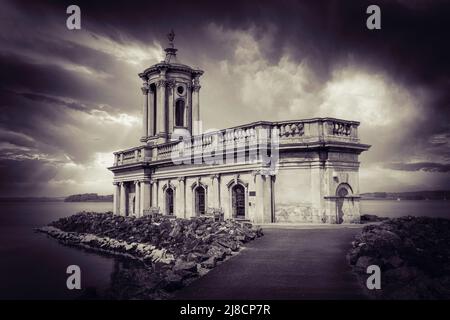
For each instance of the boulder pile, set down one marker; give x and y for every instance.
(367, 218)
(413, 254)
(177, 250)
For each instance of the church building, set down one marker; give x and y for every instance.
(293, 171)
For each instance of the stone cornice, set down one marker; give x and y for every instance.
(167, 67)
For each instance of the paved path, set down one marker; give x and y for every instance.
(287, 263)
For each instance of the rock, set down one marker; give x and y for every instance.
(173, 281)
(210, 263)
(217, 252)
(366, 218)
(363, 262)
(353, 255)
(181, 265)
(228, 244)
(175, 249)
(401, 274)
(393, 262)
(413, 253)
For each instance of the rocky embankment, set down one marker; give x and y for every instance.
(413, 254)
(175, 251)
(369, 218)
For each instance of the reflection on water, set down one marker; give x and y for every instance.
(132, 280)
(129, 279)
(33, 266)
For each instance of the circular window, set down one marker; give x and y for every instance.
(180, 89)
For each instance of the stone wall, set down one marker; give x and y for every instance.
(216, 196)
(294, 196)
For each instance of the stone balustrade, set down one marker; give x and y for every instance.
(309, 131)
(129, 156)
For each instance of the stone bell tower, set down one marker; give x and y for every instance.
(171, 103)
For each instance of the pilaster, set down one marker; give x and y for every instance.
(116, 198)
(144, 112)
(123, 199)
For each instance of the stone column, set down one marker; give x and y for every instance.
(264, 205)
(123, 199)
(260, 193)
(162, 114)
(145, 111)
(196, 106)
(137, 199)
(216, 190)
(188, 111)
(145, 196)
(171, 105)
(151, 113)
(154, 193)
(268, 184)
(116, 198)
(181, 202)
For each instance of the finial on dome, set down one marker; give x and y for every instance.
(171, 37)
(171, 52)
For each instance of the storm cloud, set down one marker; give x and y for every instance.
(69, 98)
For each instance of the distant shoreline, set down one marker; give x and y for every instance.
(15, 200)
(392, 199)
(26, 199)
(31, 199)
(415, 195)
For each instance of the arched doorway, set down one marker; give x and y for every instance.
(169, 201)
(342, 191)
(238, 201)
(200, 194)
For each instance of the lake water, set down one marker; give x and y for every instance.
(33, 266)
(395, 209)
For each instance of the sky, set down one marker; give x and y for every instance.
(69, 98)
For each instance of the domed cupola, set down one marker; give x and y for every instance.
(171, 98)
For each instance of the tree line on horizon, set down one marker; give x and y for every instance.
(86, 197)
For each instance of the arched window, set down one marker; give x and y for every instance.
(343, 190)
(169, 201)
(179, 113)
(238, 201)
(200, 200)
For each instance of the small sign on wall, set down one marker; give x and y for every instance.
(252, 193)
